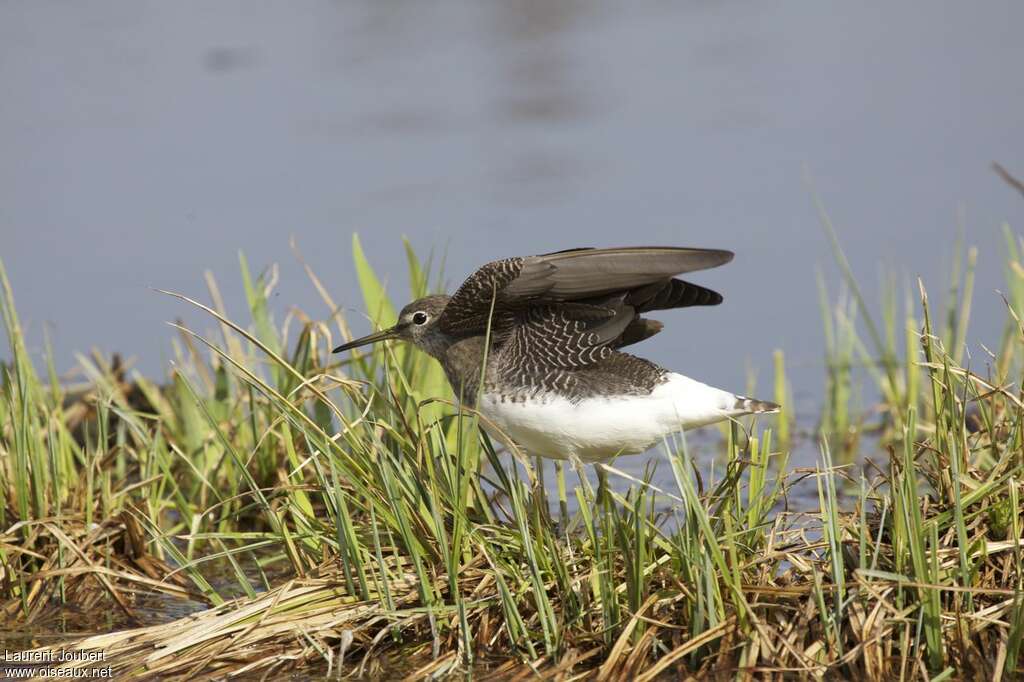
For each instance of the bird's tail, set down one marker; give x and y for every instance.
(750, 406)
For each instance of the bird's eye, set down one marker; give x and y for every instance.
(419, 317)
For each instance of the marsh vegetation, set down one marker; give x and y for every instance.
(359, 516)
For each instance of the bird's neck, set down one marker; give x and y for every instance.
(434, 342)
(462, 360)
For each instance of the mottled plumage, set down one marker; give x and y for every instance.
(555, 323)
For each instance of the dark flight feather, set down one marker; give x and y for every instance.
(570, 310)
(582, 273)
(577, 275)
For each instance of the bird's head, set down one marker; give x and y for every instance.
(417, 323)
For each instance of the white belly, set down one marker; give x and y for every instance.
(597, 429)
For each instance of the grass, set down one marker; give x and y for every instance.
(343, 513)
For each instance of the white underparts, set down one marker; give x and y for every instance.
(599, 428)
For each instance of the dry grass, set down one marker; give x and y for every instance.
(314, 621)
(408, 544)
(99, 565)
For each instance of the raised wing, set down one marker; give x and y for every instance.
(674, 293)
(562, 336)
(584, 275)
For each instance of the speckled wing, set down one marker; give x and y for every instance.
(550, 337)
(469, 309)
(513, 285)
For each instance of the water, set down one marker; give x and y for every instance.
(146, 142)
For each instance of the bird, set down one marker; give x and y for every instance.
(534, 343)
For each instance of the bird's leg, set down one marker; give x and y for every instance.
(563, 503)
(540, 492)
(602, 484)
(603, 496)
(577, 466)
(581, 474)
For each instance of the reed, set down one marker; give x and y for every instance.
(359, 522)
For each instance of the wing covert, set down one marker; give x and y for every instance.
(514, 284)
(562, 336)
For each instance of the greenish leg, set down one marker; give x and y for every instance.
(602, 484)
